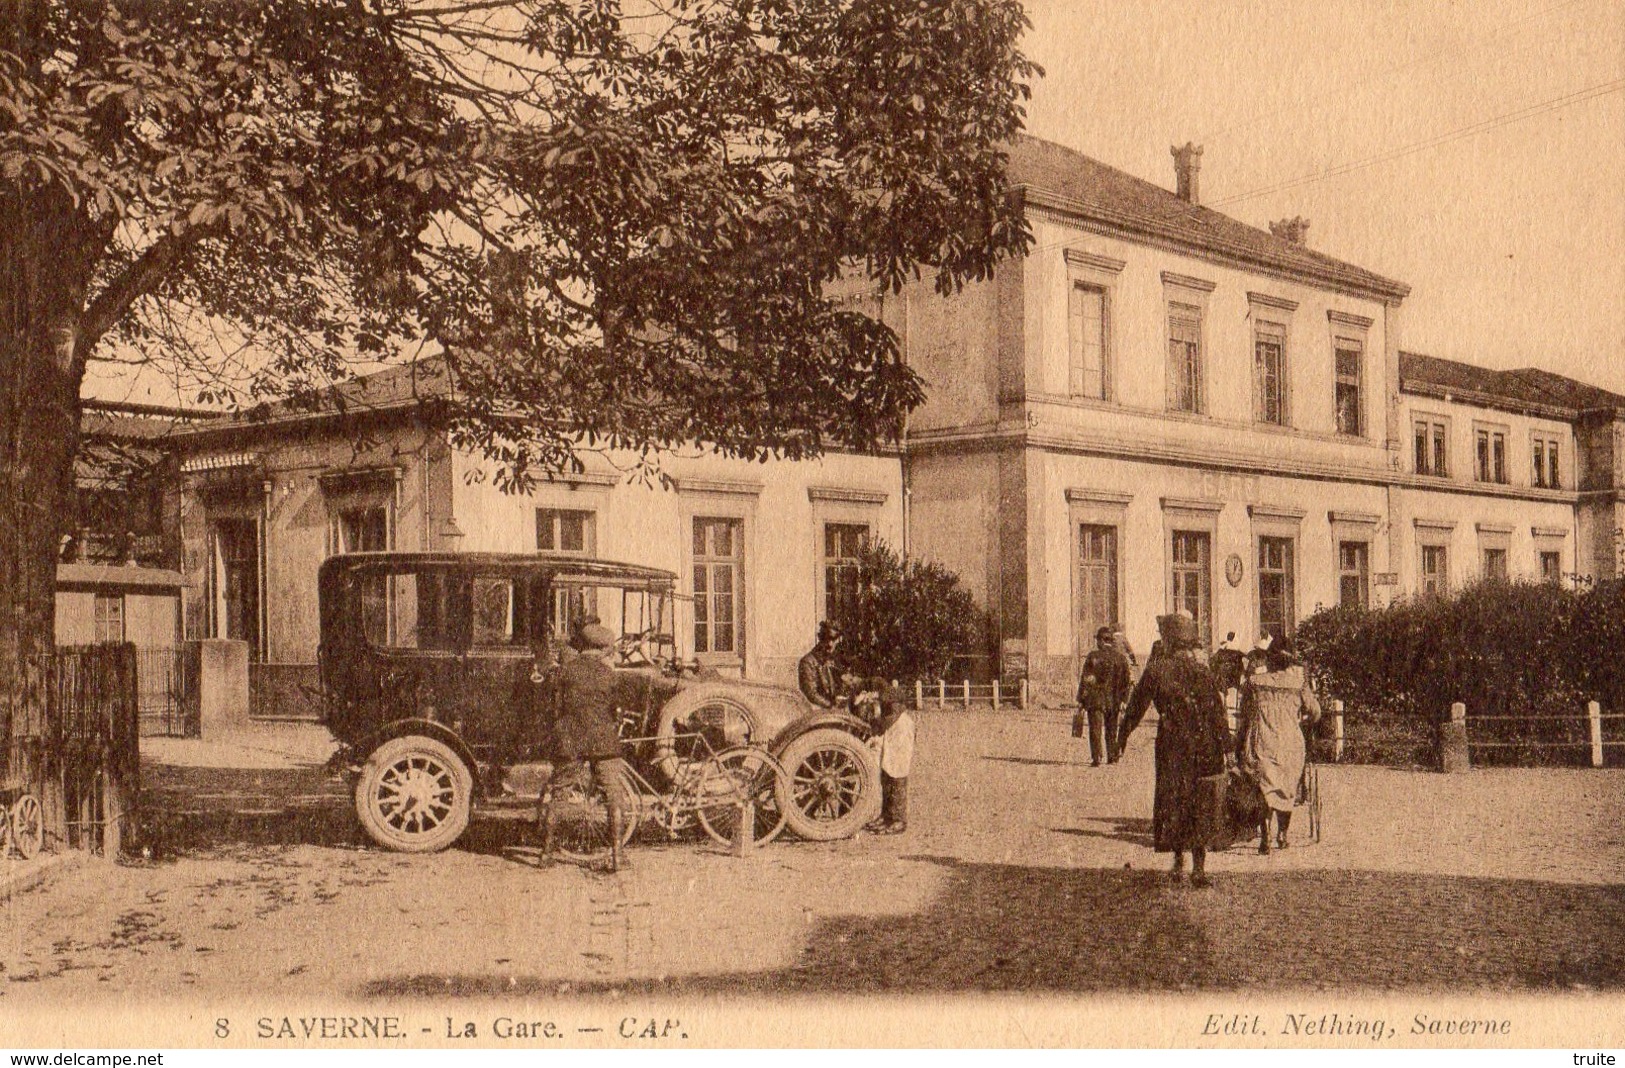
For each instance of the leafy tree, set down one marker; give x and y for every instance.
(617, 218)
(906, 619)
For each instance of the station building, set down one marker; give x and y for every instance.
(1159, 408)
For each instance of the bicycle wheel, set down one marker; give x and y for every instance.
(27, 826)
(739, 776)
(1312, 802)
(579, 813)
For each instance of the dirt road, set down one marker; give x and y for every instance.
(1024, 869)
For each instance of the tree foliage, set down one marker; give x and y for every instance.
(1502, 649)
(906, 619)
(618, 218)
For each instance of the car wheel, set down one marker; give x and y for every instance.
(414, 795)
(27, 819)
(831, 784)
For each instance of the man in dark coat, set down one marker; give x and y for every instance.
(586, 739)
(1192, 748)
(1102, 688)
(817, 674)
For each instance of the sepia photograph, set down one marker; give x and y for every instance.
(685, 524)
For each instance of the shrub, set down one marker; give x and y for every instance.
(1502, 649)
(906, 620)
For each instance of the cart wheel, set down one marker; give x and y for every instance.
(742, 775)
(27, 826)
(1314, 803)
(831, 785)
(580, 816)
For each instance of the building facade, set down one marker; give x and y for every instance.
(756, 547)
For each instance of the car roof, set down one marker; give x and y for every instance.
(563, 567)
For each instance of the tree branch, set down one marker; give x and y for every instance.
(138, 279)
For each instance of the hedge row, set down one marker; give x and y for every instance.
(1503, 649)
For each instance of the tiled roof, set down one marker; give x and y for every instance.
(1096, 190)
(1527, 387)
(401, 386)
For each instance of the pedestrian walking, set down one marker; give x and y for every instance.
(1103, 687)
(1275, 703)
(1192, 748)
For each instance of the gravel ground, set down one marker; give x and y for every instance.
(1024, 869)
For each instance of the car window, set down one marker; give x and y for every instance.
(408, 610)
(495, 614)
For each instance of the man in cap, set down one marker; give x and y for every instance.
(820, 680)
(586, 737)
(1192, 748)
(1103, 686)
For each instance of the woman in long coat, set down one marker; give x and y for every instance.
(1274, 704)
(1193, 740)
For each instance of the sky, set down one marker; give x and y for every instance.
(1474, 150)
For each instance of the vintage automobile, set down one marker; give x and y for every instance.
(429, 664)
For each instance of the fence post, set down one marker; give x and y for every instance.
(967, 693)
(1594, 715)
(1024, 695)
(1452, 740)
(919, 695)
(1337, 730)
(942, 693)
(995, 695)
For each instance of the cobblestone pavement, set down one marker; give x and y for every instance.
(1024, 869)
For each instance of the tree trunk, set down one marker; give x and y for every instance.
(42, 288)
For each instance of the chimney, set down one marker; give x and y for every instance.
(1187, 164)
(1295, 230)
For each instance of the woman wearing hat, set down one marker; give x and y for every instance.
(1193, 743)
(1274, 702)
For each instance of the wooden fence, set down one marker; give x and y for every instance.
(73, 740)
(941, 693)
(1582, 731)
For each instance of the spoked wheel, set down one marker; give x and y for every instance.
(579, 814)
(27, 826)
(741, 776)
(414, 795)
(831, 785)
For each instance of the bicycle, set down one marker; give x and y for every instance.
(706, 787)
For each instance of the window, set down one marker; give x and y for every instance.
(1350, 358)
(1086, 319)
(1276, 608)
(1184, 358)
(718, 567)
(564, 531)
(1354, 574)
(1432, 455)
(1097, 580)
(1269, 373)
(1551, 567)
(109, 617)
(1546, 469)
(422, 611)
(842, 542)
(1193, 577)
(1435, 570)
(1495, 565)
(1491, 454)
(361, 529)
